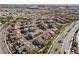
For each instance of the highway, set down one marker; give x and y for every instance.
(66, 37)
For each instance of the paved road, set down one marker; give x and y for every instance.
(2, 37)
(68, 39)
(66, 36)
(1, 33)
(77, 38)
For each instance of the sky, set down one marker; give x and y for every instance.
(39, 1)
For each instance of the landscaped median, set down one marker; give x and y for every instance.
(53, 38)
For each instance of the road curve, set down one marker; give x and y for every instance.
(2, 37)
(66, 36)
